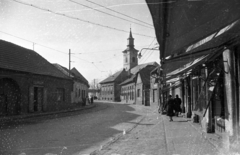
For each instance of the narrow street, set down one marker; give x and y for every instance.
(69, 133)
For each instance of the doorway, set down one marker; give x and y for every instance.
(38, 99)
(9, 97)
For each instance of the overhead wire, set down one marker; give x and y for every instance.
(34, 42)
(82, 20)
(118, 12)
(109, 14)
(113, 50)
(141, 60)
(55, 49)
(148, 56)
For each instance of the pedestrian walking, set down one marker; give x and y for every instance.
(91, 99)
(177, 105)
(170, 107)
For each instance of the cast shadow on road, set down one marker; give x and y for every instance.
(77, 131)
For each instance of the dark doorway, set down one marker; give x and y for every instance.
(38, 99)
(9, 97)
(147, 97)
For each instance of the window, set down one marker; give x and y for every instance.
(76, 92)
(138, 93)
(60, 94)
(126, 60)
(133, 59)
(79, 92)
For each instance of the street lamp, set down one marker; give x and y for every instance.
(140, 55)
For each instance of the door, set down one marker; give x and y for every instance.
(147, 98)
(38, 99)
(155, 96)
(9, 97)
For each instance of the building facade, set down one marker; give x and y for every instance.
(110, 88)
(80, 88)
(199, 55)
(136, 89)
(29, 83)
(80, 84)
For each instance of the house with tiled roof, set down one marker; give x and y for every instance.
(136, 88)
(29, 83)
(80, 84)
(110, 88)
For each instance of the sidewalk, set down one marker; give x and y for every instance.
(155, 135)
(39, 114)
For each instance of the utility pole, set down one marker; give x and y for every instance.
(33, 46)
(69, 62)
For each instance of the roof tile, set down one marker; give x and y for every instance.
(14, 57)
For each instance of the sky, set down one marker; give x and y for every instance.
(95, 35)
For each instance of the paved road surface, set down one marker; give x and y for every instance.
(69, 133)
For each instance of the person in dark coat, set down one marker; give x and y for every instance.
(91, 99)
(170, 107)
(177, 106)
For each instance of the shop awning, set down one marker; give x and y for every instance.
(181, 25)
(183, 67)
(175, 85)
(186, 67)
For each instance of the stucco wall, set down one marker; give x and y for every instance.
(27, 82)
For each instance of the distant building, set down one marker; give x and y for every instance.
(110, 88)
(80, 84)
(136, 89)
(29, 83)
(94, 93)
(83, 86)
(154, 88)
(132, 84)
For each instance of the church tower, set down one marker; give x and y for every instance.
(130, 58)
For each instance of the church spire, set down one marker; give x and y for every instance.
(130, 35)
(130, 40)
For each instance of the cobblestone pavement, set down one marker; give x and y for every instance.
(155, 135)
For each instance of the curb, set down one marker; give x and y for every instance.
(15, 117)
